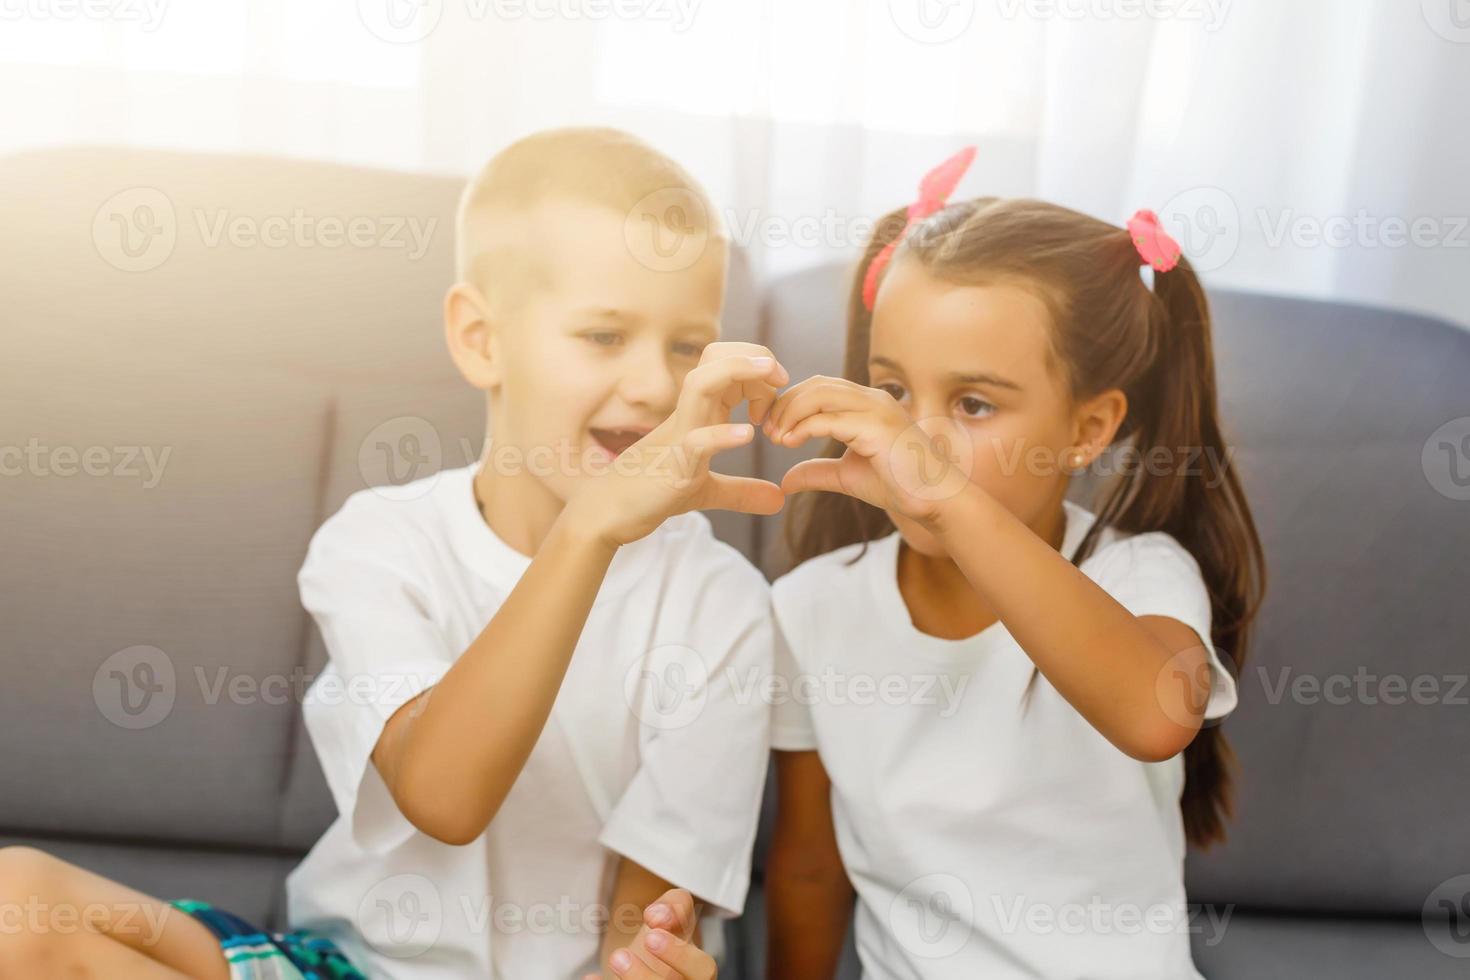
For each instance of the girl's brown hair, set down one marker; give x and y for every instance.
(1109, 331)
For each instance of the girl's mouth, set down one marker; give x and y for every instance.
(617, 440)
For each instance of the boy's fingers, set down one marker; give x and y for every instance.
(739, 493)
(688, 960)
(626, 966)
(678, 901)
(734, 348)
(705, 387)
(704, 442)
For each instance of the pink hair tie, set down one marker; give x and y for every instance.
(1153, 243)
(934, 191)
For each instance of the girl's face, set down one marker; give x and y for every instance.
(974, 363)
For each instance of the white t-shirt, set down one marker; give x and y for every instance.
(649, 751)
(988, 833)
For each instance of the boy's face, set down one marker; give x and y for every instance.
(592, 355)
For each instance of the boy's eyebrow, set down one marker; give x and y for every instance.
(956, 377)
(604, 313)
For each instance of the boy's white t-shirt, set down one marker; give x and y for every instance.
(988, 832)
(648, 753)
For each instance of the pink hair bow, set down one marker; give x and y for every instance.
(1153, 243)
(934, 191)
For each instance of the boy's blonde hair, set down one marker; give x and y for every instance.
(587, 165)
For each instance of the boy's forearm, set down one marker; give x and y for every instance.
(462, 752)
(634, 889)
(807, 916)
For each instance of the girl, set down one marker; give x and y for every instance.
(998, 729)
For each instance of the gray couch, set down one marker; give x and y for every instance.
(181, 407)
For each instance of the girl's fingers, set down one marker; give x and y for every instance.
(689, 961)
(846, 427)
(815, 395)
(813, 474)
(739, 493)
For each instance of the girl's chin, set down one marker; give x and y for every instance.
(917, 537)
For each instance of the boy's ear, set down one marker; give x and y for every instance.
(1098, 420)
(469, 331)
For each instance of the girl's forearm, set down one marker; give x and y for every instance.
(1099, 656)
(460, 754)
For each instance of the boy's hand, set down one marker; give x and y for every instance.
(662, 950)
(891, 461)
(667, 471)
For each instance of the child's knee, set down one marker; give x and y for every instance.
(27, 872)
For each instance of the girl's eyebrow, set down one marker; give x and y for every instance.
(955, 377)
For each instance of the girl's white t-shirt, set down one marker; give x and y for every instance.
(649, 752)
(988, 829)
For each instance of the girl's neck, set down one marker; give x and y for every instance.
(941, 601)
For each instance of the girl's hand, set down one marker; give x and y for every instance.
(891, 462)
(656, 943)
(667, 471)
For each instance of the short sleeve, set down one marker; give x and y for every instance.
(1152, 574)
(382, 650)
(690, 811)
(791, 716)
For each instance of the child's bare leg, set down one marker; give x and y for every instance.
(57, 919)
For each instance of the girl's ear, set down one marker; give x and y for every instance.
(1096, 423)
(469, 330)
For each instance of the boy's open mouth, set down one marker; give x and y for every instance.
(616, 440)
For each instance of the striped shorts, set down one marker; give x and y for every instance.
(254, 954)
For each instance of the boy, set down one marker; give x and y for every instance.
(515, 801)
(537, 786)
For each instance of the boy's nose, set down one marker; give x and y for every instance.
(650, 381)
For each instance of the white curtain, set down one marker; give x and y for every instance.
(1313, 147)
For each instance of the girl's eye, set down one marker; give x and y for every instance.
(893, 389)
(604, 338)
(975, 407)
(686, 349)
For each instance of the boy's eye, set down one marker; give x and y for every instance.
(604, 338)
(893, 389)
(688, 349)
(975, 407)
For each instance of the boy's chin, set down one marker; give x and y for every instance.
(917, 537)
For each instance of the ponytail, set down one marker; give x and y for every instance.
(1203, 506)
